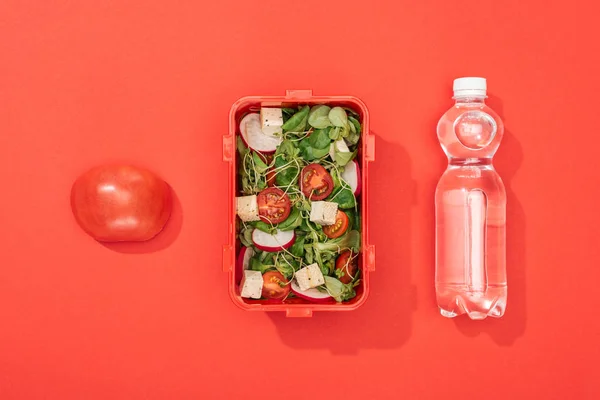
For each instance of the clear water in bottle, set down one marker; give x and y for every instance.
(470, 209)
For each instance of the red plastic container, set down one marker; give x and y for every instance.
(297, 307)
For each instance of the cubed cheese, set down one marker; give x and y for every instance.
(251, 285)
(323, 212)
(309, 277)
(271, 121)
(247, 208)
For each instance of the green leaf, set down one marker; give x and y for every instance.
(334, 134)
(319, 139)
(352, 128)
(318, 153)
(263, 226)
(303, 204)
(344, 157)
(353, 138)
(341, 193)
(246, 187)
(310, 153)
(288, 149)
(318, 116)
(350, 240)
(338, 117)
(356, 128)
(287, 113)
(298, 121)
(308, 226)
(338, 290)
(354, 218)
(351, 112)
(308, 254)
(344, 198)
(286, 265)
(246, 237)
(297, 248)
(292, 222)
(257, 265)
(259, 165)
(241, 147)
(285, 174)
(345, 130)
(316, 145)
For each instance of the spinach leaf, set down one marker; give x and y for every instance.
(302, 203)
(345, 130)
(263, 226)
(334, 134)
(285, 174)
(310, 153)
(246, 237)
(355, 127)
(350, 240)
(297, 122)
(287, 113)
(241, 147)
(259, 165)
(354, 220)
(319, 139)
(308, 254)
(257, 265)
(344, 197)
(316, 145)
(341, 193)
(351, 112)
(319, 116)
(344, 157)
(297, 248)
(308, 226)
(319, 261)
(286, 265)
(338, 117)
(292, 222)
(288, 149)
(339, 291)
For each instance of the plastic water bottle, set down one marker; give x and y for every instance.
(470, 208)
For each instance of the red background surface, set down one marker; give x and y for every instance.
(151, 82)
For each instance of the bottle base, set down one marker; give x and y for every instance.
(455, 301)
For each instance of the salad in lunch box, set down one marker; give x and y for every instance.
(298, 183)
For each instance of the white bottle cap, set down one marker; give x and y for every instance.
(469, 86)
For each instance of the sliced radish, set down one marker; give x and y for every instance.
(267, 242)
(254, 137)
(341, 146)
(351, 176)
(243, 262)
(312, 295)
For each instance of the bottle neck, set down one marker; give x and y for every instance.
(471, 99)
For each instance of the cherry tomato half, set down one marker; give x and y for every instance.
(275, 285)
(273, 205)
(339, 227)
(121, 203)
(346, 263)
(315, 182)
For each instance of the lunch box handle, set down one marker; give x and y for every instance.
(299, 94)
(298, 312)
